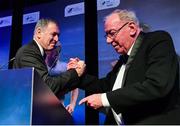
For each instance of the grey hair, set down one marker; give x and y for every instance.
(125, 15)
(43, 23)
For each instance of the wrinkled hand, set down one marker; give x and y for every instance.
(70, 108)
(93, 101)
(73, 63)
(80, 67)
(77, 64)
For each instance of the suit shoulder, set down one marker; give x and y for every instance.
(159, 39)
(26, 48)
(158, 34)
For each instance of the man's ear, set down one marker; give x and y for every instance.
(38, 32)
(133, 28)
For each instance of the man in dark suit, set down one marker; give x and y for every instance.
(143, 87)
(46, 35)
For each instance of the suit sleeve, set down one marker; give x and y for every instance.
(57, 83)
(94, 85)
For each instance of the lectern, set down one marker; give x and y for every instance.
(26, 100)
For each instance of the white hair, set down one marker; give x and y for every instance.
(43, 23)
(125, 15)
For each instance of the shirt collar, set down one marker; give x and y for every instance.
(40, 48)
(129, 52)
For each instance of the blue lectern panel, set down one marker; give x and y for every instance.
(15, 95)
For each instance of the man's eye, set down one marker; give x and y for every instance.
(111, 33)
(54, 34)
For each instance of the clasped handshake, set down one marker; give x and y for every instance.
(77, 64)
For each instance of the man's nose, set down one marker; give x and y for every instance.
(109, 40)
(56, 37)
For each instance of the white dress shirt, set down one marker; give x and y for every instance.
(117, 85)
(40, 48)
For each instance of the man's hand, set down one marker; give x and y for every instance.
(80, 68)
(77, 64)
(70, 108)
(72, 64)
(93, 101)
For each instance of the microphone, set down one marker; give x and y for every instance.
(5, 64)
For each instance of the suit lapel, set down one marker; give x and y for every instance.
(135, 48)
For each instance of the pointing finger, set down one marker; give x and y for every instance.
(83, 101)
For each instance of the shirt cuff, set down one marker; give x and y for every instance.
(104, 100)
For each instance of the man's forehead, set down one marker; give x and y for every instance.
(53, 28)
(52, 25)
(113, 18)
(113, 22)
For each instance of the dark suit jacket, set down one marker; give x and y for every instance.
(30, 56)
(150, 83)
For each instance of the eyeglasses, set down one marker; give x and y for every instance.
(111, 34)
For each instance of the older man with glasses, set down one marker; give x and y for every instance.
(143, 87)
